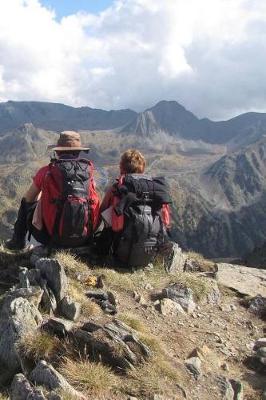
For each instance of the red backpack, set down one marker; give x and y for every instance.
(69, 201)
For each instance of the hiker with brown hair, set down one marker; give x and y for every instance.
(136, 211)
(61, 207)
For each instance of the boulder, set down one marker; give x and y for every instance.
(114, 343)
(259, 343)
(45, 375)
(33, 294)
(193, 364)
(246, 281)
(214, 295)
(261, 352)
(18, 317)
(170, 307)
(37, 253)
(106, 300)
(180, 294)
(226, 388)
(69, 309)
(48, 302)
(257, 306)
(23, 278)
(53, 272)
(59, 326)
(230, 388)
(21, 389)
(175, 261)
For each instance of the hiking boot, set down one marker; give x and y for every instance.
(14, 245)
(18, 241)
(173, 261)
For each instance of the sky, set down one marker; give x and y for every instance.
(208, 55)
(63, 8)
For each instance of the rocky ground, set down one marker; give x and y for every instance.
(71, 330)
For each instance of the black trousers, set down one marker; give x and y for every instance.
(41, 236)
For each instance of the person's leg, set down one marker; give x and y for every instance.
(104, 241)
(41, 236)
(18, 240)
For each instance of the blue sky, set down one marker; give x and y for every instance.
(67, 7)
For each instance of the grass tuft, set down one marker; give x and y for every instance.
(92, 378)
(76, 292)
(39, 345)
(71, 263)
(154, 377)
(133, 322)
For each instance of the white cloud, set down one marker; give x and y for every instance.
(209, 55)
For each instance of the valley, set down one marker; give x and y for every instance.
(216, 170)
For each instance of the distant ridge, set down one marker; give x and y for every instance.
(172, 118)
(56, 116)
(167, 117)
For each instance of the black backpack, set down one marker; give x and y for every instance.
(141, 201)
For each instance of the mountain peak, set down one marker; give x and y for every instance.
(168, 104)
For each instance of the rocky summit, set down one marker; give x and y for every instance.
(73, 330)
(70, 329)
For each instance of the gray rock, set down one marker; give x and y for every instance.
(170, 307)
(114, 343)
(69, 308)
(45, 375)
(238, 389)
(33, 294)
(37, 253)
(193, 364)
(226, 388)
(175, 261)
(23, 278)
(21, 389)
(18, 317)
(261, 352)
(48, 302)
(262, 360)
(106, 300)
(192, 265)
(214, 295)
(257, 306)
(53, 272)
(230, 389)
(182, 295)
(59, 326)
(263, 396)
(259, 343)
(31, 276)
(247, 281)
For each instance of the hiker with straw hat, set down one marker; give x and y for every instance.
(61, 207)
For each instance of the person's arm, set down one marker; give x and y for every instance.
(32, 193)
(166, 215)
(107, 200)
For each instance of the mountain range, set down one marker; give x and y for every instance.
(216, 169)
(167, 116)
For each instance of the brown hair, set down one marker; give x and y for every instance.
(132, 162)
